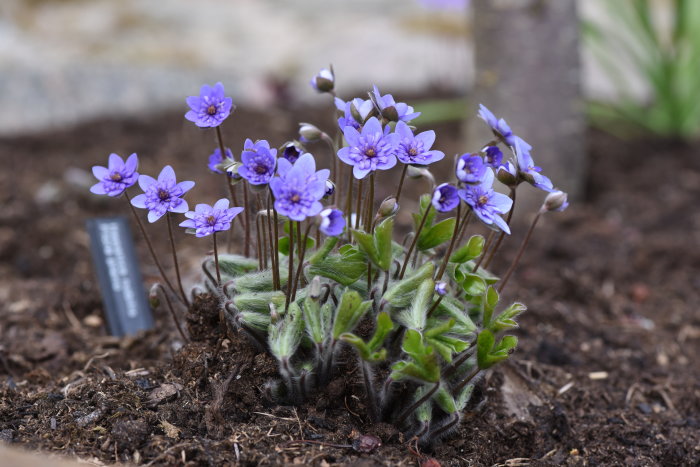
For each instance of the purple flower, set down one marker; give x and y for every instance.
(210, 108)
(470, 168)
(416, 149)
(498, 126)
(487, 203)
(259, 162)
(292, 151)
(355, 112)
(372, 149)
(324, 80)
(332, 222)
(527, 169)
(445, 197)
(215, 160)
(508, 175)
(330, 189)
(392, 110)
(493, 156)
(117, 176)
(441, 288)
(299, 188)
(207, 219)
(162, 195)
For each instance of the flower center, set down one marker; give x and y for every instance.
(261, 169)
(483, 199)
(413, 152)
(163, 194)
(295, 198)
(211, 220)
(116, 177)
(211, 110)
(370, 152)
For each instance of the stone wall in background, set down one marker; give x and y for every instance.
(64, 61)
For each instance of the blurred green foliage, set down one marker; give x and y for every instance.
(666, 55)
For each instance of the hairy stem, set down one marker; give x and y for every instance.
(150, 246)
(519, 255)
(502, 235)
(177, 265)
(411, 408)
(414, 241)
(300, 266)
(401, 179)
(216, 260)
(290, 271)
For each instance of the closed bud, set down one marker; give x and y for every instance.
(330, 189)
(153, 299)
(315, 288)
(555, 201)
(388, 207)
(416, 172)
(309, 133)
(508, 175)
(390, 113)
(324, 81)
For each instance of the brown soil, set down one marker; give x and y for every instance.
(606, 372)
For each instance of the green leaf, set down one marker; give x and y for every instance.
(382, 241)
(506, 319)
(473, 284)
(430, 237)
(488, 302)
(285, 336)
(258, 301)
(488, 354)
(366, 243)
(235, 265)
(444, 400)
(283, 244)
(470, 250)
(313, 320)
(372, 351)
(425, 201)
(415, 316)
(350, 309)
(424, 365)
(384, 327)
(401, 293)
(345, 268)
(325, 249)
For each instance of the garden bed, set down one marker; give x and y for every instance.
(606, 371)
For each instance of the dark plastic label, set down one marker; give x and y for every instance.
(114, 257)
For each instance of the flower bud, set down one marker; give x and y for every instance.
(388, 207)
(153, 298)
(420, 172)
(324, 81)
(508, 175)
(315, 288)
(330, 189)
(390, 113)
(291, 150)
(555, 201)
(441, 288)
(309, 133)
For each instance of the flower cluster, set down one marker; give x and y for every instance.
(317, 271)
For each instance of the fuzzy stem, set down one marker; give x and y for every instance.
(348, 201)
(246, 203)
(414, 241)
(369, 389)
(277, 248)
(273, 259)
(290, 271)
(485, 251)
(172, 311)
(370, 204)
(232, 193)
(450, 369)
(434, 307)
(177, 266)
(453, 242)
(446, 427)
(411, 408)
(358, 204)
(466, 380)
(150, 246)
(520, 252)
(502, 234)
(302, 253)
(401, 179)
(258, 243)
(216, 260)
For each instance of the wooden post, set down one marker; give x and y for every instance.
(527, 71)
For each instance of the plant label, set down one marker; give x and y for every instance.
(114, 257)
